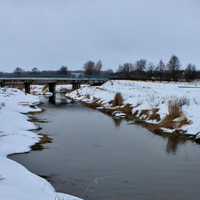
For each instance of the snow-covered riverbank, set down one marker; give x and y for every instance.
(148, 101)
(16, 182)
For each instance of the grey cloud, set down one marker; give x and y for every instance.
(48, 34)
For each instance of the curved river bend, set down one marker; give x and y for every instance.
(96, 157)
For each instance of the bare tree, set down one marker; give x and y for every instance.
(18, 70)
(108, 72)
(98, 67)
(150, 69)
(126, 70)
(190, 72)
(89, 68)
(173, 66)
(35, 70)
(140, 65)
(63, 70)
(160, 69)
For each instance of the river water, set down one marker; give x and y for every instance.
(96, 157)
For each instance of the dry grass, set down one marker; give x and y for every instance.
(94, 104)
(184, 121)
(45, 87)
(118, 100)
(33, 106)
(167, 123)
(45, 139)
(143, 112)
(87, 96)
(38, 146)
(174, 108)
(17, 86)
(127, 109)
(78, 94)
(135, 113)
(155, 115)
(110, 102)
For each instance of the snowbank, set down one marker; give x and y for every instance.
(147, 99)
(44, 89)
(16, 182)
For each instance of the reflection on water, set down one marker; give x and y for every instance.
(59, 99)
(127, 162)
(117, 121)
(52, 99)
(173, 143)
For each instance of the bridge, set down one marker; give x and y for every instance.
(53, 80)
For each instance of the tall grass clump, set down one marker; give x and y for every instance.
(118, 100)
(184, 101)
(174, 108)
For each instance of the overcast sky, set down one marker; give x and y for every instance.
(48, 34)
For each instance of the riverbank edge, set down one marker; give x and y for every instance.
(9, 176)
(126, 109)
(44, 138)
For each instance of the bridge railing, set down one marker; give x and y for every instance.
(11, 75)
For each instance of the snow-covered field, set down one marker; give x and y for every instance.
(16, 182)
(148, 96)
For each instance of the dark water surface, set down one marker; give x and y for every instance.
(97, 157)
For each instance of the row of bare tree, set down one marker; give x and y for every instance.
(139, 70)
(62, 70)
(170, 71)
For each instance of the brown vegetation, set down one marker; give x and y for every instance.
(154, 115)
(127, 109)
(45, 87)
(87, 96)
(174, 109)
(94, 104)
(17, 86)
(33, 106)
(118, 100)
(144, 112)
(135, 113)
(38, 146)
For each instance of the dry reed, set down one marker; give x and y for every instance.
(118, 100)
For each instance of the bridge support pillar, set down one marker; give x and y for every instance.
(27, 87)
(76, 86)
(52, 87)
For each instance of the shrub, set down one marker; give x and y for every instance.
(118, 100)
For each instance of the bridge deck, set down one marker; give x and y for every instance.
(56, 79)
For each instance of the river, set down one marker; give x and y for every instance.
(96, 157)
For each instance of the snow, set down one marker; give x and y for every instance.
(147, 95)
(43, 89)
(16, 182)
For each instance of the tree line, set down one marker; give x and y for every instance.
(140, 70)
(171, 71)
